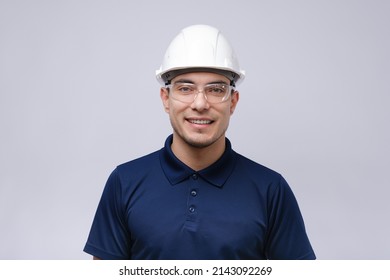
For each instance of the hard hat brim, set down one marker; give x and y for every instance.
(166, 77)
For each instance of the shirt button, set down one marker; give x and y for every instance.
(192, 209)
(194, 193)
(195, 176)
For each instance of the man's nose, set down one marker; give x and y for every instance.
(200, 102)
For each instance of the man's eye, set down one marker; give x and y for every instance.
(185, 89)
(217, 90)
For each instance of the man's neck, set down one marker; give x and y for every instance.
(198, 158)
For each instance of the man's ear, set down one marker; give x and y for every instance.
(233, 102)
(164, 95)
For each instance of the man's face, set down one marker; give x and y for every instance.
(199, 123)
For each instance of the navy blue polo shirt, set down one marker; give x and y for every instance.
(156, 207)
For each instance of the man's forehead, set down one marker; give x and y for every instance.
(201, 77)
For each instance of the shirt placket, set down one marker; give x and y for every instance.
(191, 222)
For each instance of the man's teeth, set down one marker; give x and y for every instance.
(200, 121)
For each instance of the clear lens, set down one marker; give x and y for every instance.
(187, 92)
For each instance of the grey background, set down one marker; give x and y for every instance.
(78, 96)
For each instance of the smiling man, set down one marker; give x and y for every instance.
(199, 105)
(197, 198)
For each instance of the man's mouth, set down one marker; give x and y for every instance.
(200, 121)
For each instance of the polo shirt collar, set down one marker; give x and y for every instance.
(216, 174)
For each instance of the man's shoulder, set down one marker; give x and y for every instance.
(256, 169)
(139, 164)
(259, 175)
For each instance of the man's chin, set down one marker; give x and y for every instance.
(201, 142)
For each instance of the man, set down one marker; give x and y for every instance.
(196, 198)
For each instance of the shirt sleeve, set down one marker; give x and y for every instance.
(286, 238)
(109, 237)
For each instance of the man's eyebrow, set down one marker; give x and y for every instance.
(183, 81)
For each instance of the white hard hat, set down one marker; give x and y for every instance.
(200, 48)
